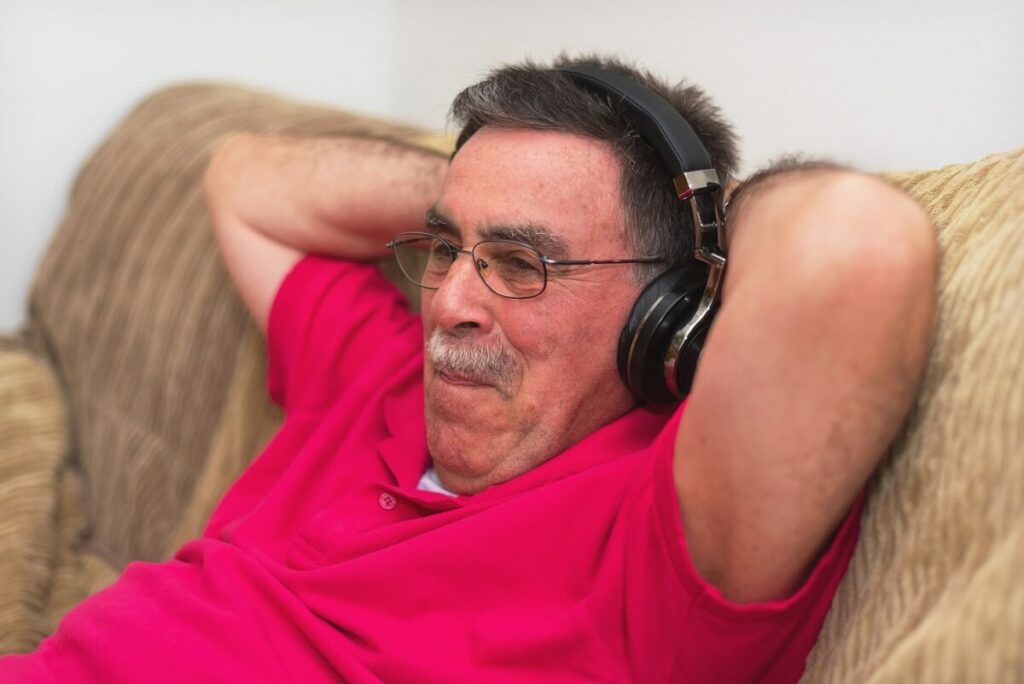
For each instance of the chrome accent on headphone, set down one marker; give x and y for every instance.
(703, 191)
(694, 181)
(684, 334)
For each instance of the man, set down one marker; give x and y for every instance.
(499, 508)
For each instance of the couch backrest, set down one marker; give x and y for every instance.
(136, 311)
(935, 592)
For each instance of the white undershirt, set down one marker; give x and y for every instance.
(429, 482)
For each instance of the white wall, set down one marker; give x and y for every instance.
(875, 83)
(69, 69)
(896, 84)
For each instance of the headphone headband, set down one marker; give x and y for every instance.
(680, 150)
(654, 118)
(661, 343)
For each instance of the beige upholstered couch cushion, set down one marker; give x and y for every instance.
(935, 591)
(32, 447)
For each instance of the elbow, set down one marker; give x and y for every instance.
(875, 265)
(220, 178)
(880, 243)
(822, 231)
(841, 251)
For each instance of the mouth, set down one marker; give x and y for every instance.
(461, 380)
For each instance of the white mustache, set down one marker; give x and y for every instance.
(486, 365)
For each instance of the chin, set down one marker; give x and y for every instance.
(454, 461)
(471, 459)
(448, 443)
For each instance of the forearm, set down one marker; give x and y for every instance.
(338, 196)
(808, 372)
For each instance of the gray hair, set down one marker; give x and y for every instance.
(539, 97)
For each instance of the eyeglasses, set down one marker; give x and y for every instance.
(508, 268)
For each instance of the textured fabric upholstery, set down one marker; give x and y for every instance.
(32, 448)
(248, 421)
(44, 570)
(935, 591)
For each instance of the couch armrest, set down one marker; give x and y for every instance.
(33, 445)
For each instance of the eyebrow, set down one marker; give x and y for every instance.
(533, 234)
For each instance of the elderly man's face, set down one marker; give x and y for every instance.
(548, 373)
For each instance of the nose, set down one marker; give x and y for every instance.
(462, 303)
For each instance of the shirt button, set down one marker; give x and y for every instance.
(387, 501)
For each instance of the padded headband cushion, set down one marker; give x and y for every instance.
(655, 119)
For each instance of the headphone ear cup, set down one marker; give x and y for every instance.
(665, 306)
(648, 297)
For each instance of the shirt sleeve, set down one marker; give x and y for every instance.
(330, 318)
(766, 641)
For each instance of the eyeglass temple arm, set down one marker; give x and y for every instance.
(587, 262)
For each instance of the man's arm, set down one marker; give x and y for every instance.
(274, 199)
(808, 372)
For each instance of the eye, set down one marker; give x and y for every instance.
(519, 268)
(439, 249)
(522, 265)
(517, 262)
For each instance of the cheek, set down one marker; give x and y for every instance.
(563, 333)
(533, 337)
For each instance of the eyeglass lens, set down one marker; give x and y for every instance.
(508, 268)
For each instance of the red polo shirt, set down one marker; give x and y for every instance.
(324, 562)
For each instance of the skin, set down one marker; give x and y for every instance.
(479, 436)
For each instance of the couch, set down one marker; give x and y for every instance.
(135, 394)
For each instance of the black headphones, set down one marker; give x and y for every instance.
(661, 343)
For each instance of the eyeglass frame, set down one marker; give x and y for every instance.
(544, 260)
